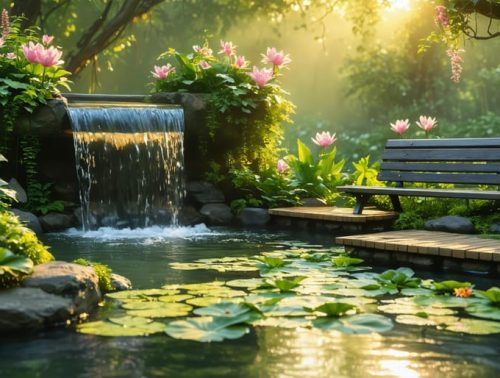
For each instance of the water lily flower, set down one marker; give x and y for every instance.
(49, 57)
(261, 77)
(240, 62)
(204, 65)
(276, 58)
(463, 292)
(400, 126)
(47, 39)
(203, 50)
(324, 139)
(426, 123)
(227, 48)
(282, 166)
(31, 51)
(161, 72)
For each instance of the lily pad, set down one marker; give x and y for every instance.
(133, 294)
(347, 292)
(174, 298)
(103, 328)
(203, 301)
(415, 320)
(279, 322)
(485, 311)
(356, 324)
(130, 321)
(249, 283)
(409, 309)
(334, 309)
(474, 326)
(223, 309)
(167, 310)
(204, 286)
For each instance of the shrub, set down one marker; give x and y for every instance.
(20, 240)
(13, 267)
(103, 273)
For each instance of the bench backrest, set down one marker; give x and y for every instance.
(451, 161)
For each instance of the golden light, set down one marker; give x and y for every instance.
(399, 5)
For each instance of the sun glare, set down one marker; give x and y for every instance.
(399, 5)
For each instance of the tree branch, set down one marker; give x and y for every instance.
(488, 8)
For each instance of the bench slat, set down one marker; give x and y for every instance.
(437, 154)
(450, 143)
(447, 178)
(446, 193)
(440, 167)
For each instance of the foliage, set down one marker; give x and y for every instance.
(21, 240)
(244, 114)
(13, 267)
(103, 273)
(6, 195)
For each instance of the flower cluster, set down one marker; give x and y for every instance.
(38, 53)
(456, 63)
(441, 17)
(425, 123)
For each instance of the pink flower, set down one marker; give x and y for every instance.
(227, 48)
(204, 65)
(163, 71)
(31, 50)
(282, 166)
(5, 23)
(441, 16)
(2, 41)
(11, 55)
(47, 39)
(324, 139)
(276, 58)
(204, 51)
(456, 63)
(49, 57)
(400, 126)
(261, 77)
(426, 123)
(240, 62)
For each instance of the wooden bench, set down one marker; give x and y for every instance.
(473, 161)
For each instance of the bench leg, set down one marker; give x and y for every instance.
(361, 201)
(396, 205)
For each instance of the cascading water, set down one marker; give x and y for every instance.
(129, 162)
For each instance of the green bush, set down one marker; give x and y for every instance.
(17, 238)
(103, 273)
(13, 267)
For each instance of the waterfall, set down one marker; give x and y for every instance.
(129, 162)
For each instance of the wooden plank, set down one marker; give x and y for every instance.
(472, 167)
(417, 192)
(438, 177)
(448, 142)
(438, 154)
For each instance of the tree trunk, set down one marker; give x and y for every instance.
(29, 9)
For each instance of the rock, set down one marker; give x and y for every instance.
(204, 192)
(254, 216)
(313, 202)
(495, 228)
(217, 213)
(451, 223)
(30, 220)
(21, 195)
(120, 283)
(46, 120)
(189, 216)
(76, 282)
(32, 308)
(56, 221)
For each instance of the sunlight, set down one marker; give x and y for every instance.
(399, 5)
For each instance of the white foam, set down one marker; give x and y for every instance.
(146, 235)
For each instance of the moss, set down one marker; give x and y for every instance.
(103, 273)
(17, 238)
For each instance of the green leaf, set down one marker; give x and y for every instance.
(14, 265)
(224, 309)
(14, 84)
(305, 155)
(123, 327)
(484, 311)
(272, 262)
(492, 294)
(356, 324)
(285, 285)
(334, 309)
(345, 261)
(449, 286)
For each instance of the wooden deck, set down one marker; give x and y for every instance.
(433, 243)
(334, 214)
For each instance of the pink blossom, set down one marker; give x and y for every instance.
(163, 71)
(11, 55)
(204, 65)
(324, 139)
(49, 57)
(441, 16)
(2, 41)
(277, 58)
(203, 50)
(31, 50)
(456, 63)
(5, 23)
(400, 126)
(282, 166)
(261, 77)
(47, 39)
(426, 123)
(240, 62)
(227, 48)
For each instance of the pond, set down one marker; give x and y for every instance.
(154, 257)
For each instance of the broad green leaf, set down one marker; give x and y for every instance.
(103, 328)
(449, 286)
(484, 311)
(356, 324)
(334, 309)
(13, 264)
(166, 310)
(130, 321)
(137, 294)
(492, 294)
(203, 301)
(174, 298)
(250, 283)
(345, 261)
(223, 309)
(474, 327)
(304, 153)
(272, 262)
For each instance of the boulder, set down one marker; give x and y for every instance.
(254, 216)
(21, 195)
(30, 220)
(189, 216)
(451, 223)
(76, 282)
(495, 228)
(56, 221)
(32, 308)
(204, 192)
(120, 283)
(46, 120)
(217, 213)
